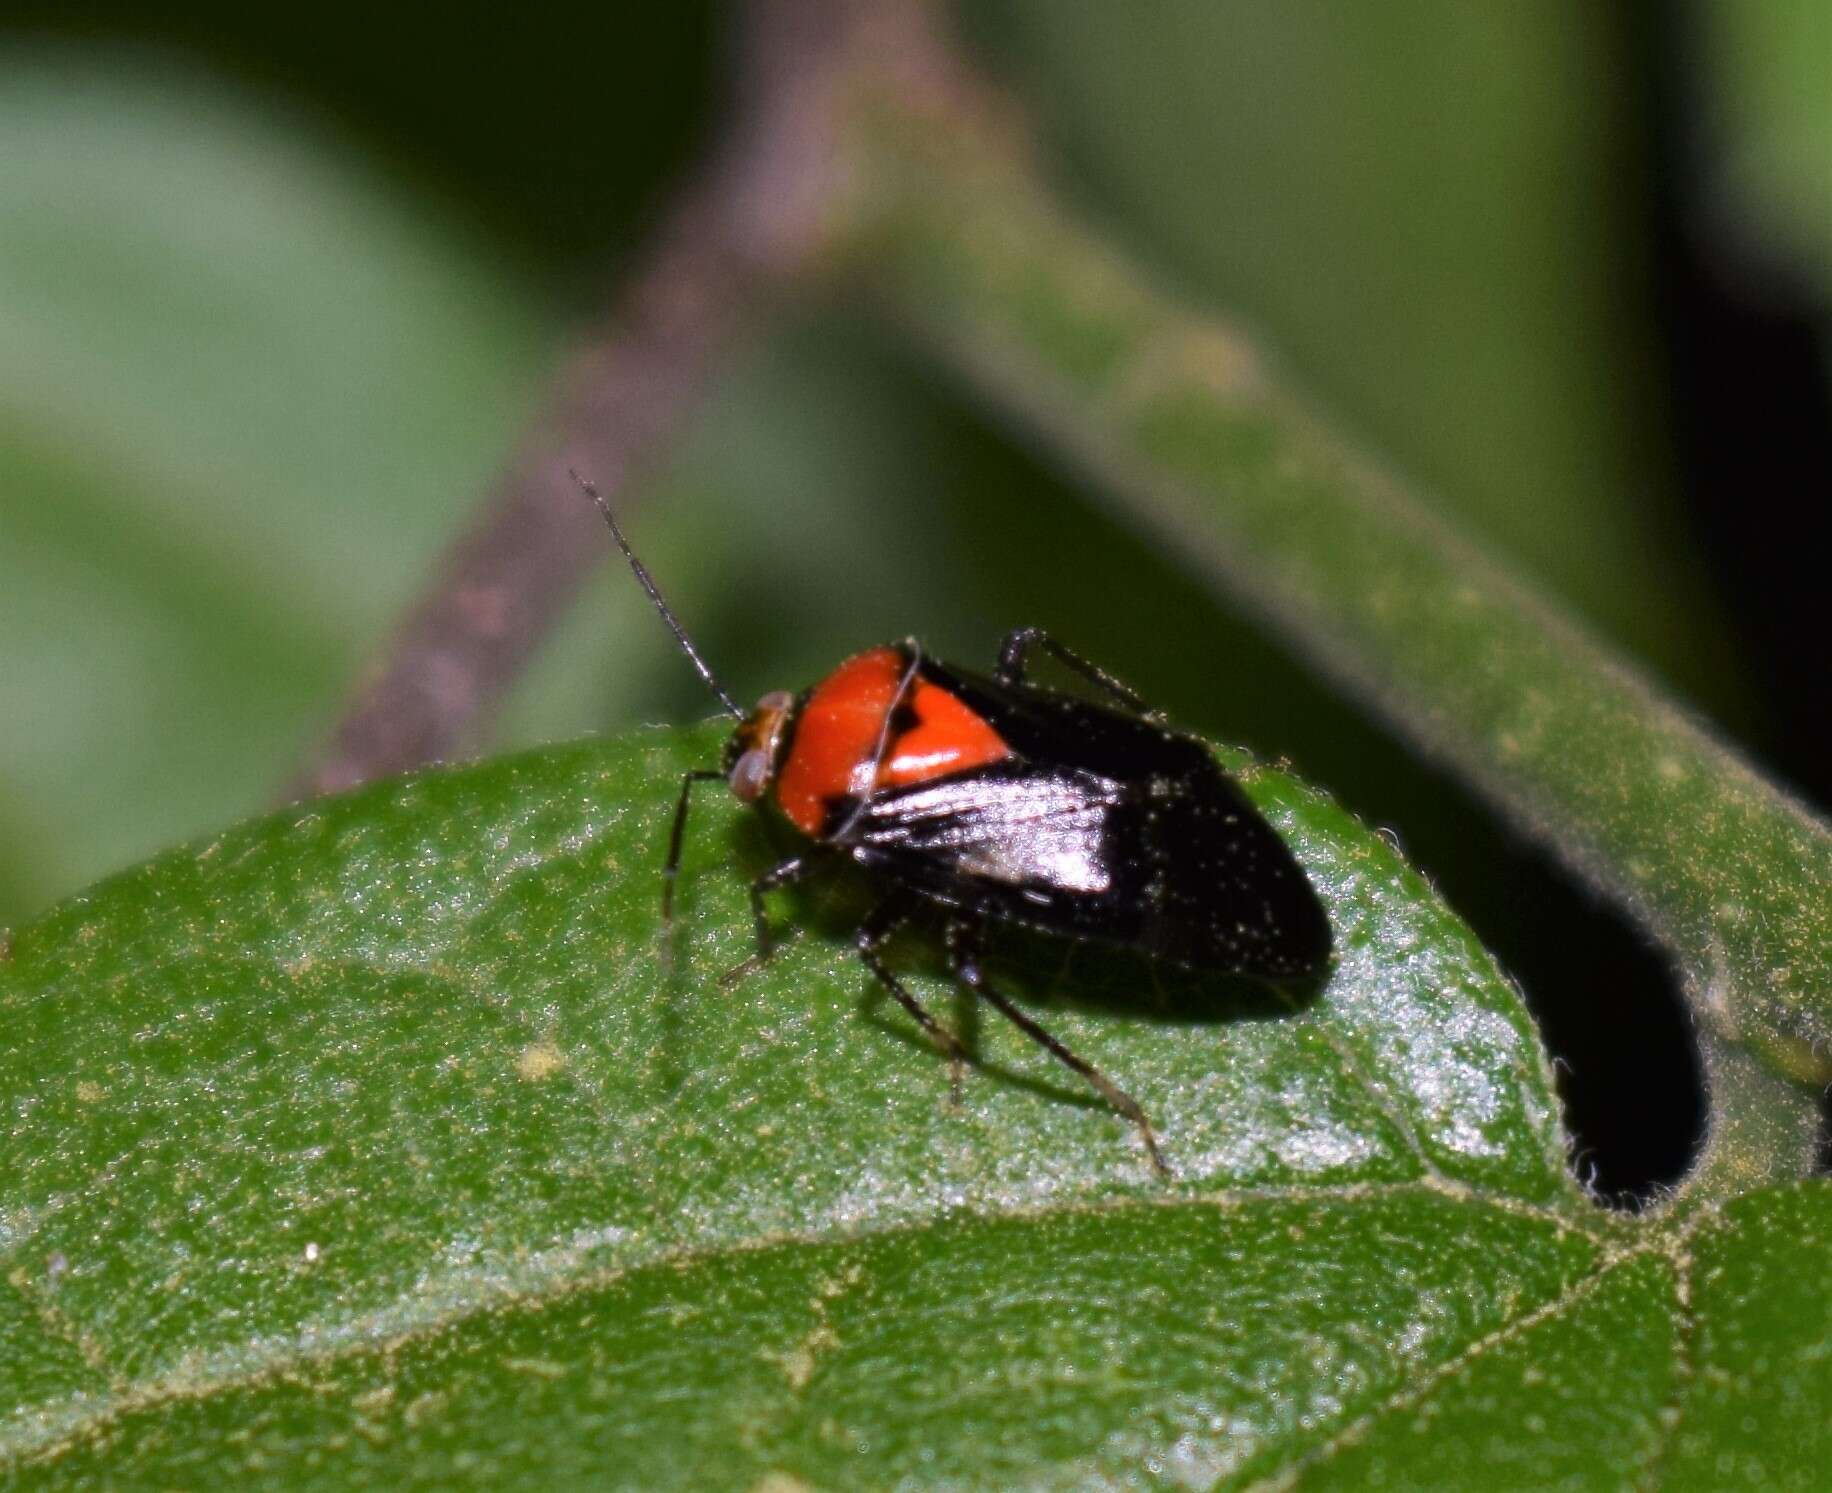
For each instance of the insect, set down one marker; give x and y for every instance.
(992, 800)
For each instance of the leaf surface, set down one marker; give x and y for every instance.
(377, 1141)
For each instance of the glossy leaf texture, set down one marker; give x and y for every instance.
(380, 1142)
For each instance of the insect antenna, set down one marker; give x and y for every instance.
(648, 584)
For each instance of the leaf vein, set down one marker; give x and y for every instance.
(1417, 1392)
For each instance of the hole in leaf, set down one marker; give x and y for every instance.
(1823, 1164)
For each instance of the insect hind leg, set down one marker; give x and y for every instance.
(963, 950)
(873, 934)
(1014, 664)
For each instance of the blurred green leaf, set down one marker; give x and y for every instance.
(244, 394)
(1772, 142)
(375, 1142)
(1421, 207)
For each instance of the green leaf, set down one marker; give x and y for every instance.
(1425, 282)
(378, 1141)
(244, 392)
(1770, 142)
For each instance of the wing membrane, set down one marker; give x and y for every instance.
(1023, 828)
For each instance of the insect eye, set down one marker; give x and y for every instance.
(750, 775)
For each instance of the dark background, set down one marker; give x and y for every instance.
(1549, 261)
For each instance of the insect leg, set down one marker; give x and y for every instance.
(873, 934)
(1013, 662)
(783, 873)
(963, 949)
(673, 868)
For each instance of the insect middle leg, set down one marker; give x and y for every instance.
(782, 874)
(885, 919)
(1014, 663)
(963, 949)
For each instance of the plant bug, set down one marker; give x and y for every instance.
(998, 801)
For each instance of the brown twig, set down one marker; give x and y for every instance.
(750, 223)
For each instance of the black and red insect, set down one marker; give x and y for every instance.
(993, 800)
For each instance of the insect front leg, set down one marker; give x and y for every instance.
(873, 934)
(1014, 663)
(963, 949)
(675, 836)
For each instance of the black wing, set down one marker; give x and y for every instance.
(1178, 865)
